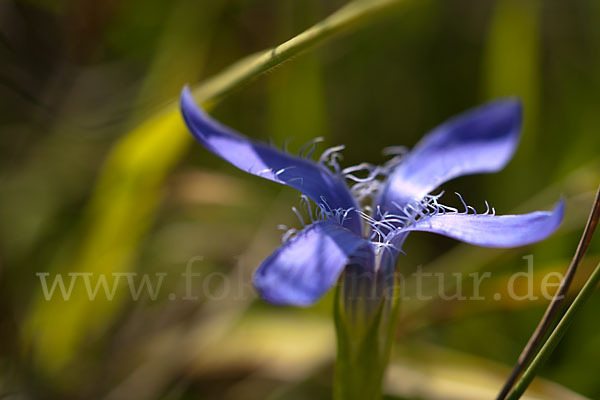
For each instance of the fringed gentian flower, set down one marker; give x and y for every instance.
(357, 231)
(345, 231)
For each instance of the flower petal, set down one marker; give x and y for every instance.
(480, 140)
(305, 175)
(492, 230)
(307, 265)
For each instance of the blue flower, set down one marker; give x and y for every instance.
(345, 230)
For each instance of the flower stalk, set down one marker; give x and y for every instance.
(366, 311)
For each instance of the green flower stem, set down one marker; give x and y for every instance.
(365, 331)
(556, 335)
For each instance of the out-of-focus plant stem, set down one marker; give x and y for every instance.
(351, 16)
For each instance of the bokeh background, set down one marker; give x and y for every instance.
(96, 178)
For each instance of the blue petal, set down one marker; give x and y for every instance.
(307, 265)
(480, 140)
(305, 175)
(494, 231)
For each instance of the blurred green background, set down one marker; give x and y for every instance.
(95, 177)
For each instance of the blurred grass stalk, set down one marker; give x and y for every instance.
(553, 313)
(129, 189)
(558, 333)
